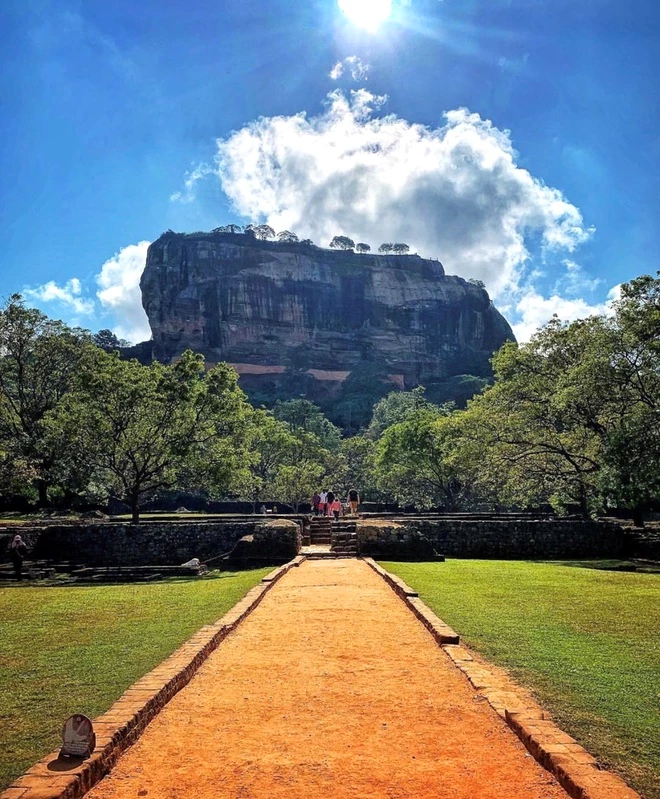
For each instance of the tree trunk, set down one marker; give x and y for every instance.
(135, 509)
(42, 489)
(584, 503)
(638, 516)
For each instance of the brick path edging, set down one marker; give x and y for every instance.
(575, 769)
(442, 632)
(126, 720)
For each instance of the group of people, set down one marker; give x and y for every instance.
(326, 503)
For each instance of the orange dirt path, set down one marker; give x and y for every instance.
(330, 688)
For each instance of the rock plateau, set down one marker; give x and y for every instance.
(270, 308)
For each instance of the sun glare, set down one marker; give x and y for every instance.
(366, 13)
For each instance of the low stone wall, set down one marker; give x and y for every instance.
(164, 543)
(272, 541)
(552, 538)
(393, 540)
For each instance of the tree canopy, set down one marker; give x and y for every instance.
(342, 243)
(572, 420)
(287, 236)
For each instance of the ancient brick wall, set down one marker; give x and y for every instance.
(149, 543)
(505, 539)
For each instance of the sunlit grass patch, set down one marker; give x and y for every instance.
(76, 649)
(586, 641)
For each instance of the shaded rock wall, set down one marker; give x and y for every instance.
(277, 307)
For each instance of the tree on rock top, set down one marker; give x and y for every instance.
(362, 247)
(342, 243)
(386, 247)
(227, 229)
(287, 236)
(264, 232)
(400, 248)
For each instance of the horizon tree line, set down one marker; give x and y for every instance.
(572, 420)
(267, 233)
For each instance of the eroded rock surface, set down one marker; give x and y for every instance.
(268, 307)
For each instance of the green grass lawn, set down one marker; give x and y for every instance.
(76, 649)
(586, 642)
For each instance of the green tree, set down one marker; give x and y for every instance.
(140, 428)
(413, 461)
(108, 341)
(573, 413)
(303, 415)
(359, 454)
(400, 248)
(264, 232)
(296, 483)
(272, 445)
(39, 362)
(534, 437)
(386, 247)
(342, 243)
(396, 407)
(362, 247)
(287, 237)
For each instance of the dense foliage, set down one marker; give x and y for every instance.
(572, 420)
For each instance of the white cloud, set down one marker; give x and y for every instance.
(534, 310)
(189, 183)
(575, 281)
(119, 291)
(455, 191)
(337, 71)
(355, 66)
(69, 295)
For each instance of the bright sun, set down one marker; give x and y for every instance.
(366, 13)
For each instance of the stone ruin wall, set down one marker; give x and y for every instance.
(172, 543)
(151, 543)
(552, 539)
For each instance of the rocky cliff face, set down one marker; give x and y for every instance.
(271, 308)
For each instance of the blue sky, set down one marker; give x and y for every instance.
(536, 169)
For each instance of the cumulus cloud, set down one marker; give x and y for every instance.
(455, 191)
(189, 184)
(534, 310)
(119, 291)
(68, 295)
(575, 280)
(354, 65)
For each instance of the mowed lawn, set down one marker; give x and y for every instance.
(76, 649)
(587, 642)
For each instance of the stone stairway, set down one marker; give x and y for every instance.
(344, 538)
(330, 538)
(320, 531)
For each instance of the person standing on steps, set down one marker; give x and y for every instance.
(17, 553)
(316, 501)
(330, 498)
(323, 507)
(334, 505)
(353, 500)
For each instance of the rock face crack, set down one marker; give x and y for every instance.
(300, 307)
